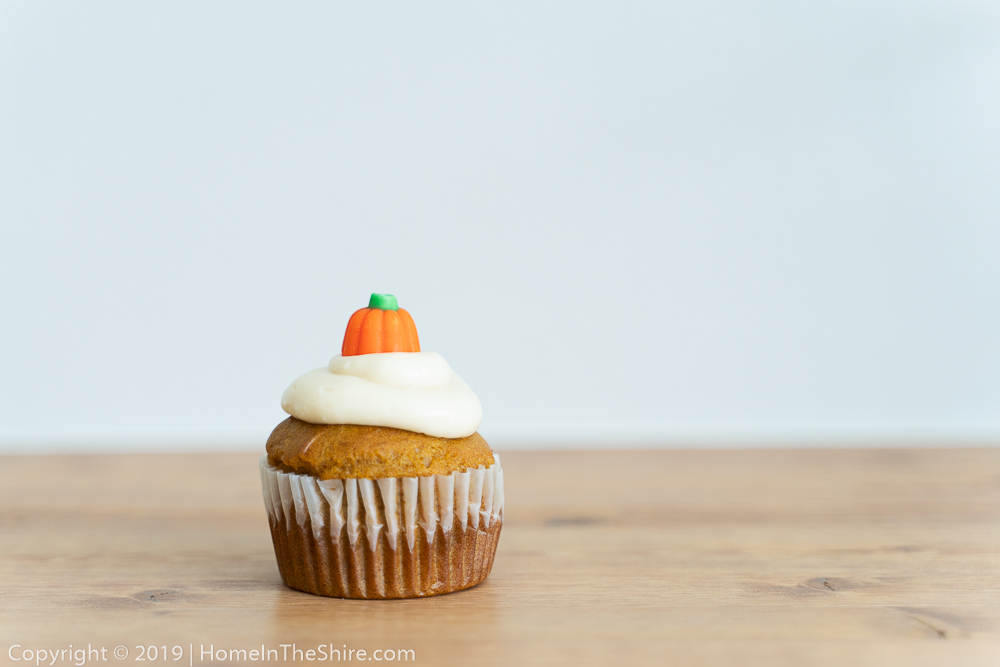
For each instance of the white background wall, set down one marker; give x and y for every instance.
(622, 223)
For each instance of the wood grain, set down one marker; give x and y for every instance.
(797, 557)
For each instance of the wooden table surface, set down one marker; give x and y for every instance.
(769, 557)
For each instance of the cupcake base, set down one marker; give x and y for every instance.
(384, 538)
(451, 562)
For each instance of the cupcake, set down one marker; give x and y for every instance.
(378, 485)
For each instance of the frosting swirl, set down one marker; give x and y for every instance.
(415, 391)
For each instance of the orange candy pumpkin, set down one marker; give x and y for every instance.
(381, 327)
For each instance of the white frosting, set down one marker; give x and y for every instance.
(415, 391)
(396, 369)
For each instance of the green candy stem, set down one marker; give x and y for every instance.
(383, 302)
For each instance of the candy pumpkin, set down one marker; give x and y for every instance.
(381, 327)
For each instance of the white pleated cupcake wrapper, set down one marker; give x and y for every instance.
(473, 498)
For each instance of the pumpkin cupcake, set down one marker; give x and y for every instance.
(378, 485)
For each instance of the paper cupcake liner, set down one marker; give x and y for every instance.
(384, 538)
